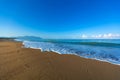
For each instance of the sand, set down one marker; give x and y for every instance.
(18, 63)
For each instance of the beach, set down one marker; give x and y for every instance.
(20, 63)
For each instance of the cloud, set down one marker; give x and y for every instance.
(102, 36)
(84, 36)
(107, 36)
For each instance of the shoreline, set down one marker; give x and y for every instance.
(19, 63)
(71, 54)
(75, 55)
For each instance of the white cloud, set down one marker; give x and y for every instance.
(106, 36)
(101, 36)
(84, 36)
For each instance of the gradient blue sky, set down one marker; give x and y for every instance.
(60, 18)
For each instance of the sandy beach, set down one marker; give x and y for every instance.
(18, 63)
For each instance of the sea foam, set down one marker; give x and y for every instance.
(108, 54)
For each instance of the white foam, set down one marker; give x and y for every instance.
(98, 53)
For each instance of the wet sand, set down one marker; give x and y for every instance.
(18, 63)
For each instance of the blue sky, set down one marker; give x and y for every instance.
(60, 18)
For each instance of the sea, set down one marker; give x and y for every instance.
(107, 50)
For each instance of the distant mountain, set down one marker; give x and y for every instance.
(28, 38)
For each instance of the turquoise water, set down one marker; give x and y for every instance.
(92, 42)
(100, 49)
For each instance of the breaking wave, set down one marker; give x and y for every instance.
(109, 52)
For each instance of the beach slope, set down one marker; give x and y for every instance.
(18, 63)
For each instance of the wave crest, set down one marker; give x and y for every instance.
(94, 52)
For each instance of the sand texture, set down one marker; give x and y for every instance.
(18, 63)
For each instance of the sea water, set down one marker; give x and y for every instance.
(99, 49)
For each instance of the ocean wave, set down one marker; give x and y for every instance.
(92, 43)
(109, 54)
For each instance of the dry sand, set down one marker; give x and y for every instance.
(17, 63)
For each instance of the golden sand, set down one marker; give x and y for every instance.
(17, 63)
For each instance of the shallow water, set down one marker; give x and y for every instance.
(100, 49)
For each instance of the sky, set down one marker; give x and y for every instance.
(74, 19)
